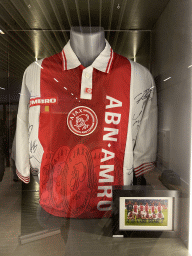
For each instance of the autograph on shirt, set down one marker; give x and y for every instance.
(32, 144)
(30, 130)
(142, 98)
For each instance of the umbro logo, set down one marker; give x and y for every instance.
(41, 101)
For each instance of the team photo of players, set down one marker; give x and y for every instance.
(146, 212)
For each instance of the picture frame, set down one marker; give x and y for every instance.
(144, 211)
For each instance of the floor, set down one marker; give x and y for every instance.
(27, 230)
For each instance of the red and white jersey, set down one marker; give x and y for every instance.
(152, 208)
(146, 207)
(154, 216)
(159, 208)
(130, 215)
(147, 215)
(139, 216)
(135, 208)
(160, 215)
(84, 130)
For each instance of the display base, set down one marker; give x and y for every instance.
(38, 235)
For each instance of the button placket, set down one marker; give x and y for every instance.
(87, 75)
(86, 83)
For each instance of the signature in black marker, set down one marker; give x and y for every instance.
(30, 130)
(143, 96)
(33, 146)
(140, 113)
(34, 158)
(130, 171)
(137, 122)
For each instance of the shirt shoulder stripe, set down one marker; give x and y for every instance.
(109, 62)
(64, 60)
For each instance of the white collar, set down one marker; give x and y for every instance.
(102, 62)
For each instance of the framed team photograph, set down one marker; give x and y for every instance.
(142, 209)
(146, 213)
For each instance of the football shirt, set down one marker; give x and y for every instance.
(84, 129)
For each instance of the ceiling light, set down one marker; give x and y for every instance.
(167, 79)
(2, 88)
(1, 32)
(56, 80)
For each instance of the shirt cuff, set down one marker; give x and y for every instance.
(145, 167)
(21, 177)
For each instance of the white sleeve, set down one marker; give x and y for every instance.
(21, 136)
(144, 121)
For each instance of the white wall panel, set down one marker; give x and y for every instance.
(171, 57)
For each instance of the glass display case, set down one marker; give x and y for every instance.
(66, 152)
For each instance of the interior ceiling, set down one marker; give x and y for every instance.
(40, 28)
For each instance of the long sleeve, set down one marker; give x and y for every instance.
(21, 137)
(144, 121)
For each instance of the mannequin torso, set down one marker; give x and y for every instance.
(87, 43)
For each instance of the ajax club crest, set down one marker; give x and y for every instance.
(82, 121)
